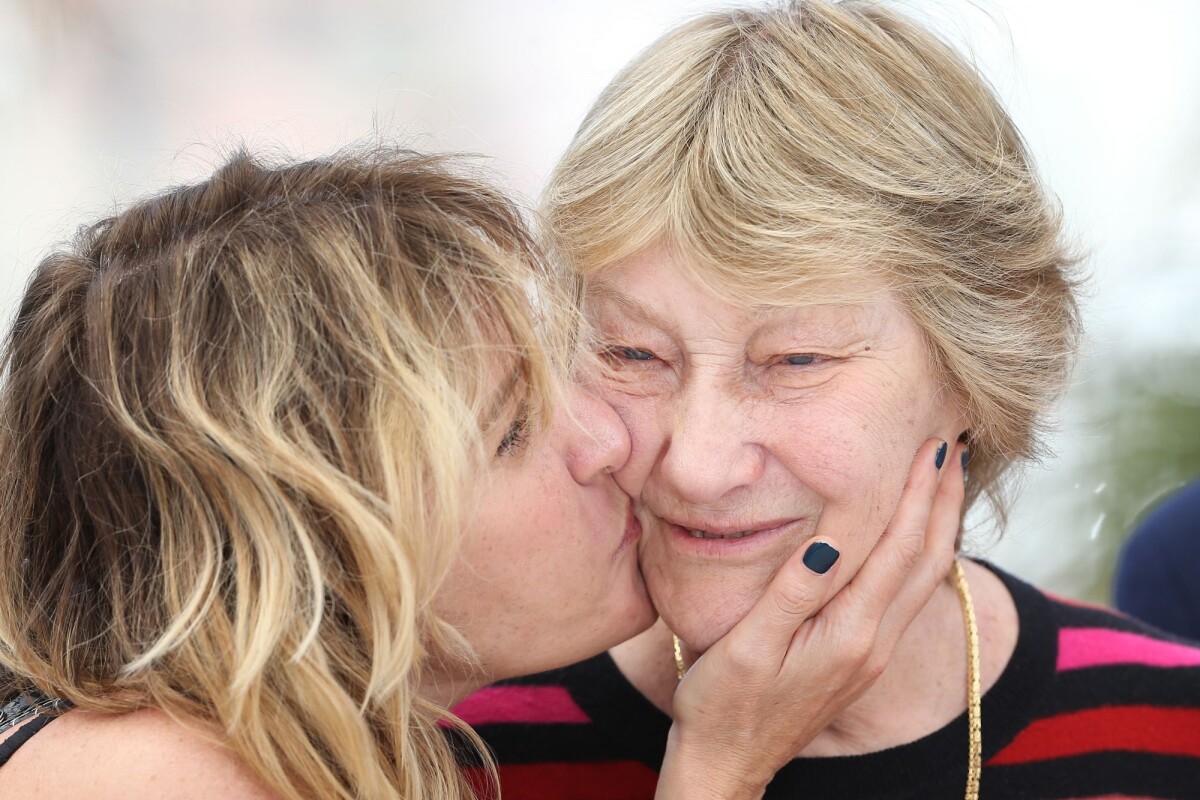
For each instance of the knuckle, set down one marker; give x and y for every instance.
(744, 655)
(873, 666)
(943, 562)
(740, 651)
(857, 649)
(795, 599)
(744, 662)
(909, 548)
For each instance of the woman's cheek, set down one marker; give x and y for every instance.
(855, 473)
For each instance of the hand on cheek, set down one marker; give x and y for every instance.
(806, 651)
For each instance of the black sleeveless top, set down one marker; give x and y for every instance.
(28, 713)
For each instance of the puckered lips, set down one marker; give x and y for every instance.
(633, 532)
(709, 537)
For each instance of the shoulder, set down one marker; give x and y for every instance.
(1091, 638)
(1178, 516)
(1170, 531)
(1084, 668)
(1120, 710)
(137, 756)
(1158, 571)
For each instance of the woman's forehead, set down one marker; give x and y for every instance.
(669, 299)
(756, 286)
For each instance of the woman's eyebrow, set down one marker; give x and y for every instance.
(605, 292)
(500, 399)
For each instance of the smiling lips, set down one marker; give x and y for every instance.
(698, 534)
(727, 532)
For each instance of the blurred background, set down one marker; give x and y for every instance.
(105, 100)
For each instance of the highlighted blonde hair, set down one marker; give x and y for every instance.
(813, 152)
(238, 429)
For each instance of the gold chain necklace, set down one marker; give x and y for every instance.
(974, 705)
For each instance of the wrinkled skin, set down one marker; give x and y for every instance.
(787, 422)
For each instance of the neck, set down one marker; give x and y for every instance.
(922, 689)
(448, 690)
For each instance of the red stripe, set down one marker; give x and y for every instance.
(1168, 731)
(521, 704)
(596, 780)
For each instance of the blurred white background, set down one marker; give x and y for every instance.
(105, 100)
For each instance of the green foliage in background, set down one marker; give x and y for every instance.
(1142, 415)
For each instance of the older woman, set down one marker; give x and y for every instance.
(811, 238)
(289, 466)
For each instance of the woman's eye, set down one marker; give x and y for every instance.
(623, 353)
(515, 436)
(800, 359)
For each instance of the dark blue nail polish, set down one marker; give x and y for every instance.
(941, 455)
(820, 557)
(966, 458)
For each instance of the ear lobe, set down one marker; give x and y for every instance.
(962, 418)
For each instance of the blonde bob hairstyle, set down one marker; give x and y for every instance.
(820, 152)
(238, 428)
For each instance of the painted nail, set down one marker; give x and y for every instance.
(941, 455)
(966, 458)
(820, 557)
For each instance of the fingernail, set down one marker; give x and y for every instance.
(820, 557)
(966, 458)
(941, 456)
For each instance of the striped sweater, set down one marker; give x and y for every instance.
(1091, 705)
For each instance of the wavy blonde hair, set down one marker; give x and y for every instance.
(813, 152)
(238, 429)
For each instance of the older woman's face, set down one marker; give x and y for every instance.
(755, 429)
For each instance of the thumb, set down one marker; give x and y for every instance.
(798, 591)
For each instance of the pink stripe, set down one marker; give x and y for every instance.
(1079, 648)
(520, 704)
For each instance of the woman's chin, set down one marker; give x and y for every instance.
(700, 619)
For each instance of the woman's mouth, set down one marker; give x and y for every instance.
(707, 539)
(633, 531)
(699, 534)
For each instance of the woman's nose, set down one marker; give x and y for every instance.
(599, 442)
(707, 452)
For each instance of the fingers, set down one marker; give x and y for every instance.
(803, 656)
(904, 540)
(894, 584)
(938, 556)
(798, 590)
